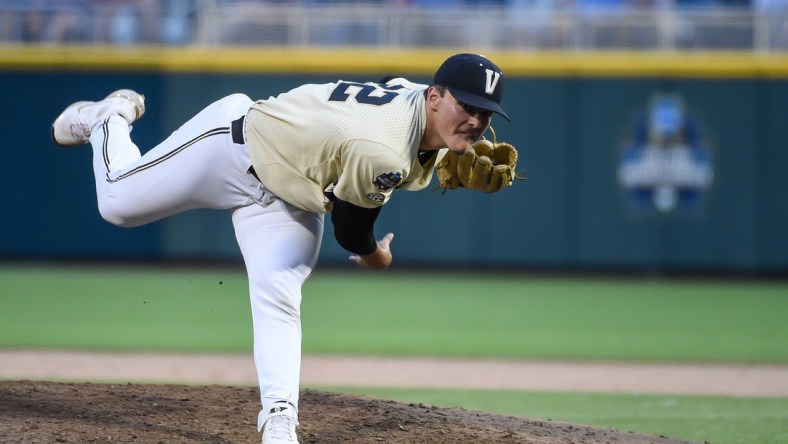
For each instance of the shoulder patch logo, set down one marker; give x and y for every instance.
(374, 197)
(387, 181)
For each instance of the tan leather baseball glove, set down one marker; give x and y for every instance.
(487, 166)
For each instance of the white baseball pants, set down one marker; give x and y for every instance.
(200, 166)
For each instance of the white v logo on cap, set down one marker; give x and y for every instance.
(492, 80)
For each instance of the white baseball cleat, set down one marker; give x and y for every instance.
(74, 125)
(280, 425)
(129, 104)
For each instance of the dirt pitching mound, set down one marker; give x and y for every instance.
(49, 412)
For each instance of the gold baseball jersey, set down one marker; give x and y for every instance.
(357, 140)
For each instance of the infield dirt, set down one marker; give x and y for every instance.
(50, 412)
(221, 401)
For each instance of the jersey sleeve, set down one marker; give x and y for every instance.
(370, 173)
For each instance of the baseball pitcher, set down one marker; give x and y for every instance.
(280, 165)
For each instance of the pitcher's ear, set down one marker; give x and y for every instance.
(433, 95)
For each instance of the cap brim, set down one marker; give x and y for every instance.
(478, 102)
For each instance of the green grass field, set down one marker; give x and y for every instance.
(453, 315)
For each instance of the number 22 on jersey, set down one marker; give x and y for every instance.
(366, 93)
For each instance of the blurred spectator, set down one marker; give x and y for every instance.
(345, 28)
(67, 22)
(436, 3)
(244, 22)
(775, 14)
(124, 23)
(697, 3)
(145, 21)
(486, 2)
(736, 3)
(767, 6)
(33, 22)
(114, 22)
(600, 5)
(178, 21)
(537, 23)
(44, 21)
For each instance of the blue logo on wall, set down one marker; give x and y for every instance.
(666, 165)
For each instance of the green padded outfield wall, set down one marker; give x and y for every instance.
(632, 162)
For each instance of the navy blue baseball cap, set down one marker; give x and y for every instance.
(474, 80)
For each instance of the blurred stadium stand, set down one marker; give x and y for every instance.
(531, 25)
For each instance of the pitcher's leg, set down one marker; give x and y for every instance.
(113, 150)
(280, 245)
(198, 166)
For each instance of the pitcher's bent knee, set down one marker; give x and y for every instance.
(119, 216)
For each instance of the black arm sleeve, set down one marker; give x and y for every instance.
(353, 227)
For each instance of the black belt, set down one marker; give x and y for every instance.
(237, 130)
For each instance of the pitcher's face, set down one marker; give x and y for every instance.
(457, 124)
